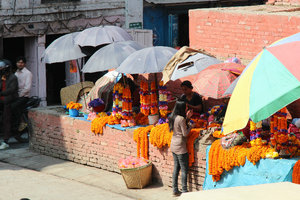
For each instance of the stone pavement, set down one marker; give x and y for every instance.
(34, 172)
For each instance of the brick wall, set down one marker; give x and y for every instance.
(227, 34)
(292, 2)
(71, 139)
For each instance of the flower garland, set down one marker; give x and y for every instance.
(215, 110)
(160, 136)
(117, 98)
(163, 99)
(192, 136)
(255, 134)
(225, 159)
(145, 99)
(280, 139)
(140, 136)
(98, 123)
(199, 123)
(296, 173)
(73, 105)
(127, 104)
(114, 119)
(153, 98)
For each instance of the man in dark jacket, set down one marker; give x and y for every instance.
(8, 94)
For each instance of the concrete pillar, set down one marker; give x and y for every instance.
(134, 14)
(42, 93)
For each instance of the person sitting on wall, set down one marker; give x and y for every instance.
(192, 99)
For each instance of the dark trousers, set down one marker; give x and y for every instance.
(181, 162)
(17, 108)
(7, 117)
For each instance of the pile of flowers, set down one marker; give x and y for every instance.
(131, 162)
(215, 110)
(145, 98)
(141, 119)
(225, 159)
(255, 134)
(96, 102)
(153, 98)
(73, 105)
(163, 100)
(98, 123)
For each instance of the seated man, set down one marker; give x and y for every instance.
(192, 99)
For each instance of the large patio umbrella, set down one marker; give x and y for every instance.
(213, 81)
(270, 82)
(100, 35)
(110, 56)
(147, 60)
(62, 49)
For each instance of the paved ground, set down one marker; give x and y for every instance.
(43, 177)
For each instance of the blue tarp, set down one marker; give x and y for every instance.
(119, 127)
(265, 171)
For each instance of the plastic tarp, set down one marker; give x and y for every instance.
(265, 171)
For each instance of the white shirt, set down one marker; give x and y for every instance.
(25, 80)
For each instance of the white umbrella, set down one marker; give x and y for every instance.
(193, 65)
(62, 49)
(147, 60)
(96, 36)
(110, 56)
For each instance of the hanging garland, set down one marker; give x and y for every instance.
(160, 136)
(280, 139)
(296, 173)
(140, 136)
(163, 100)
(141, 119)
(153, 98)
(145, 100)
(192, 136)
(255, 134)
(117, 98)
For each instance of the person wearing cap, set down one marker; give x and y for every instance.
(8, 94)
(191, 98)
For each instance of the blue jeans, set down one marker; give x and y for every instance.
(181, 162)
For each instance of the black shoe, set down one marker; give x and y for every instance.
(20, 139)
(176, 194)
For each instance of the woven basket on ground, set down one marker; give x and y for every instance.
(137, 177)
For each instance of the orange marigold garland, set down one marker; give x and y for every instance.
(160, 136)
(163, 100)
(296, 173)
(140, 136)
(145, 100)
(225, 159)
(153, 98)
(98, 123)
(141, 119)
(192, 136)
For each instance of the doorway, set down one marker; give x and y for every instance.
(55, 77)
(12, 48)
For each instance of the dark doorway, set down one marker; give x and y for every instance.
(55, 77)
(12, 48)
(183, 30)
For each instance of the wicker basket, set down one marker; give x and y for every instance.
(137, 177)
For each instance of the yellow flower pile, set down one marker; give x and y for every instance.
(98, 123)
(73, 105)
(225, 159)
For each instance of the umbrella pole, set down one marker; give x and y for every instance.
(157, 93)
(81, 79)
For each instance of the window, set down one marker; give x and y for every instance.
(58, 1)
